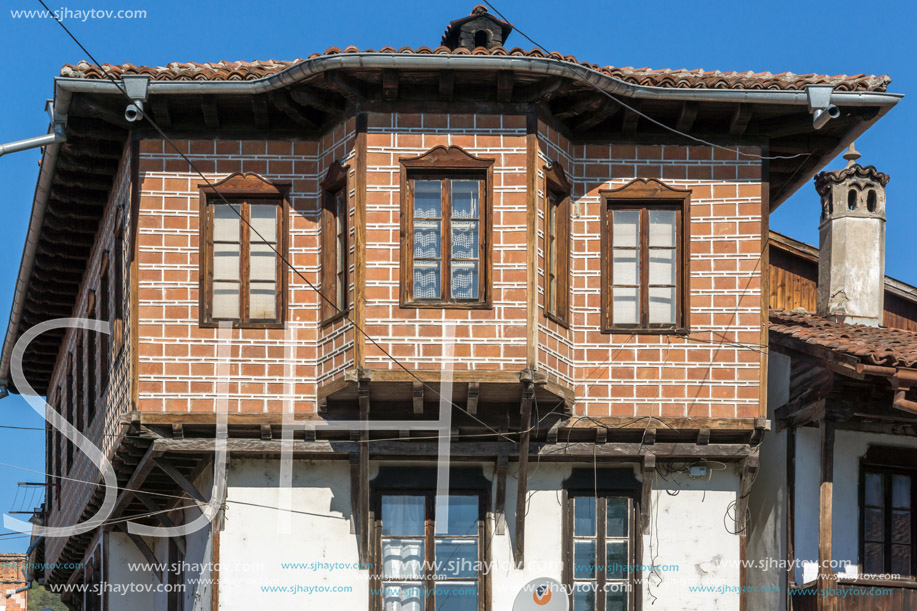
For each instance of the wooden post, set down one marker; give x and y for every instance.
(363, 504)
(826, 576)
(528, 394)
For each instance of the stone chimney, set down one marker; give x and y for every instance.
(479, 29)
(851, 257)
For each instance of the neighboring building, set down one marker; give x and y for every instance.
(835, 485)
(13, 577)
(604, 278)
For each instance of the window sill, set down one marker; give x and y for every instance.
(556, 319)
(645, 331)
(447, 305)
(335, 317)
(241, 325)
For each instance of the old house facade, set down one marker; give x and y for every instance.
(358, 255)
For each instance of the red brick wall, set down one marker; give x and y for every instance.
(12, 577)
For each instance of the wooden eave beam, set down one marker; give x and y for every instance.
(389, 85)
(446, 85)
(210, 111)
(281, 99)
(505, 80)
(261, 113)
(537, 91)
(160, 106)
(686, 115)
(739, 120)
(316, 99)
(346, 85)
(630, 120)
(800, 415)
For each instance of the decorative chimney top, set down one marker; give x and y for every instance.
(479, 29)
(851, 258)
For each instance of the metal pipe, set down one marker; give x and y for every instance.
(27, 586)
(30, 143)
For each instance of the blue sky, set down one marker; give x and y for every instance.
(842, 37)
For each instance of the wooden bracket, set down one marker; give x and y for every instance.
(703, 436)
(418, 398)
(474, 389)
(504, 86)
(389, 85)
(601, 435)
(553, 431)
(266, 434)
(749, 473)
(178, 431)
(648, 470)
(500, 509)
(528, 396)
(183, 482)
(649, 435)
(161, 517)
(141, 545)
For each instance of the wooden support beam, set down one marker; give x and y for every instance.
(178, 431)
(161, 517)
(703, 436)
(826, 576)
(601, 435)
(363, 399)
(686, 116)
(536, 91)
(474, 391)
(345, 84)
(505, 80)
(790, 537)
(211, 111)
(389, 85)
(176, 476)
(810, 412)
(630, 120)
(528, 395)
(266, 433)
(500, 504)
(551, 436)
(648, 470)
(316, 98)
(417, 395)
(446, 85)
(160, 106)
(141, 545)
(261, 112)
(749, 473)
(354, 493)
(282, 100)
(739, 120)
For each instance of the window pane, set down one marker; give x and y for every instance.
(463, 515)
(465, 203)
(403, 515)
(584, 597)
(225, 300)
(456, 559)
(584, 559)
(465, 244)
(226, 222)
(626, 267)
(427, 239)
(616, 559)
(901, 526)
(662, 228)
(873, 525)
(662, 305)
(662, 266)
(616, 518)
(403, 597)
(263, 262)
(874, 558)
(427, 199)
(226, 261)
(263, 218)
(456, 597)
(262, 301)
(426, 280)
(625, 306)
(402, 558)
(874, 494)
(901, 559)
(464, 279)
(616, 597)
(901, 491)
(625, 228)
(584, 516)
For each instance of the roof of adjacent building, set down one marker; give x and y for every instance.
(665, 77)
(872, 345)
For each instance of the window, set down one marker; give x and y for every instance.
(601, 552)
(79, 400)
(243, 231)
(644, 267)
(104, 315)
(118, 327)
(556, 243)
(335, 249)
(91, 370)
(446, 229)
(887, 525)
(58, 456)
(71, 405)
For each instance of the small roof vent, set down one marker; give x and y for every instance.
(479, 29)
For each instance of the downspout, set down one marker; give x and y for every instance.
(58, 109)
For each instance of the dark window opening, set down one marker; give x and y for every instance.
(851, 199)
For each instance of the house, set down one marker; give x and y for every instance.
(13, 581)
(492, 272)
(830, 512)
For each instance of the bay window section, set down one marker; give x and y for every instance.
(335, 243)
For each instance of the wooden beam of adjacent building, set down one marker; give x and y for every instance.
(500, 505)
(528, 394)
(826, 575)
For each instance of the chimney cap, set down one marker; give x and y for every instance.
(851, 155)
(461, 32)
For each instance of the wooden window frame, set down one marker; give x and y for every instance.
(646, 194)
(557, 195)
(58, 452)
(92, 385)
(71, 408)
(334, 183)
(888, 461)
(104, 315)
(241, 186)
(446, 163)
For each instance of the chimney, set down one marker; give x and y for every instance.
(851, 256)
(479, 29)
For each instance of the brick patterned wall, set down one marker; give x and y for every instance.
(177, 363)
(492, 339)
(13, 569)
(715, 372)
(72, 494)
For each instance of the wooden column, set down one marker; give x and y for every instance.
(528, 394)
(363, 504)
(826, 576)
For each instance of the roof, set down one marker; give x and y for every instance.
(667, 78)
(872, 345)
